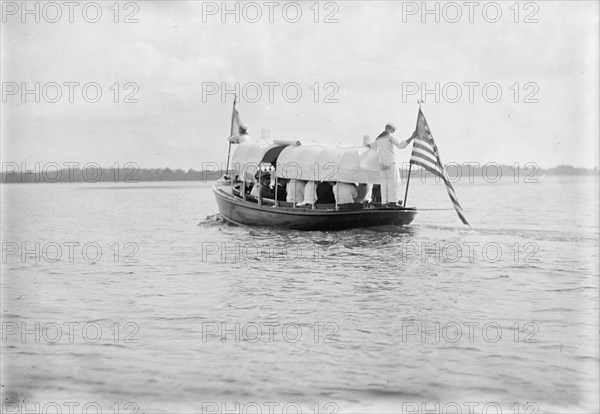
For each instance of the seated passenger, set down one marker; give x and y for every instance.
(255, 190)
(364, 193)
(262, 186)
(267, 192)
(248, 186)
(376, 193)
(295, 191)
(345, 193)
(310, 193)
(265, 178)
(281, 189)
(325, 193)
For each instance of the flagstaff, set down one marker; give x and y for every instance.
(419, 102)
(231, 133)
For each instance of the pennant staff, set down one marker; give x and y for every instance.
(426, 155)
(231, 133)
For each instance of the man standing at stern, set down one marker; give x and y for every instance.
(384, 145)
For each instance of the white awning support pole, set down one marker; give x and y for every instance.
(276, 200)
(259, 185)
(337, 188)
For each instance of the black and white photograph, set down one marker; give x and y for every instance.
(300, 207)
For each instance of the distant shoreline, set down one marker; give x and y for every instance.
(93, 175)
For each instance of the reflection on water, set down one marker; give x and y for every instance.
(183, 312)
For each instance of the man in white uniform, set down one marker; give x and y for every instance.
(384, 145)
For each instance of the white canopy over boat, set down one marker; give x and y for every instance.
(325, 163)
(309, 162)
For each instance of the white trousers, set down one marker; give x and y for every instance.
(391, 182)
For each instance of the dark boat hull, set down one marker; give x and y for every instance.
(246, 213)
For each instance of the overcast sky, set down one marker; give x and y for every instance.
(367, 58)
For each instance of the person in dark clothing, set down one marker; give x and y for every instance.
(376, 194)
(325, 193)
(262, 186)
(282, 189)
(266, 192)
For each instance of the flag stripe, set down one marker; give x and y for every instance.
(424, 158)
(428, 166)
(424, 151)
(426, 155)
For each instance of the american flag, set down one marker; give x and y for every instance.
(425, 154)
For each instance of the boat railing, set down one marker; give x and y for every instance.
(236, 188)
(237, 192)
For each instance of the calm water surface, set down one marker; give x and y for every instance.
(184, 313)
